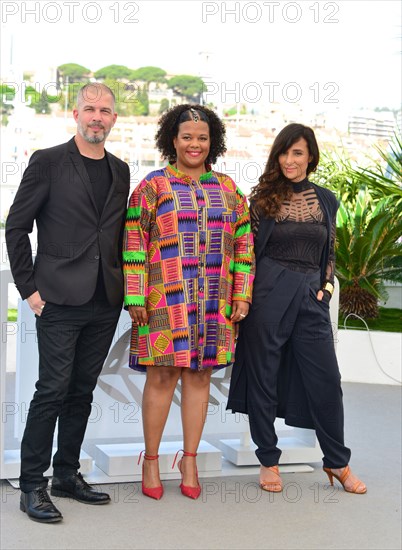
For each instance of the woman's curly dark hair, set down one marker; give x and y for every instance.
(273, 187)
(168, 128)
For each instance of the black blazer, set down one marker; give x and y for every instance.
(72, 237)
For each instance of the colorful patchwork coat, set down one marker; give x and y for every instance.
(187, 254)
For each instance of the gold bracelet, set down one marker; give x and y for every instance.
(329, 287)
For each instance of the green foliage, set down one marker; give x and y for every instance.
(186, 86)
(369, 225)
(7, 94)
(39, 101)
(114, 72)
(164, 106)
(131, 100)
(369, 249)
(143, 102)
(149, 74)
(7, 91)
(74, 72)
(41, 104)
(388, 320)
(384, 179)
(337, 172)
(190, 87)
(12, 315)
(32, 96)
(78, 76)
(232, 111)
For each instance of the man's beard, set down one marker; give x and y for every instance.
(95, 138)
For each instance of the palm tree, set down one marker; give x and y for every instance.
(385, 178)
(338, 172)
(369, 225)
(368, 252)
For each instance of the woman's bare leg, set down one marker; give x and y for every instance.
(157, 398)
(195, 387)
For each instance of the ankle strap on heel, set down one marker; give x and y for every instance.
(185, 453)
(147, 457)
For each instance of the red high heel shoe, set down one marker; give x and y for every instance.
(152, 492)
(187, 491)
(358, 488)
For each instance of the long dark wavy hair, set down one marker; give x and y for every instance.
(168, 128)
(273, 187)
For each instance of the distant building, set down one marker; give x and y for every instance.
(380, 125)
(399, 121)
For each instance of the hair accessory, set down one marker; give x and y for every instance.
(194, 114)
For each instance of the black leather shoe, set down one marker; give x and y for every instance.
(74, 486)
(39, 507)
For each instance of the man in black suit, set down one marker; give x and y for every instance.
(77, 194)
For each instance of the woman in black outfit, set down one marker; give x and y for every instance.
(285, 357)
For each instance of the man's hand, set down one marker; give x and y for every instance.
(36, 303)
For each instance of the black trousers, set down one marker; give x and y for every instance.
(286, 312)
(73, 343)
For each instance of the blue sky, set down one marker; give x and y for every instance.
(345, 52)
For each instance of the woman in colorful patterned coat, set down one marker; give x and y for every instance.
(189, 268)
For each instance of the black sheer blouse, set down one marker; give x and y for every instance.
(299, 235)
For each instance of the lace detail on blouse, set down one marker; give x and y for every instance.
(299, 235)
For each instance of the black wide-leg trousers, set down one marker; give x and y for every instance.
(73, 343)
(286, 311)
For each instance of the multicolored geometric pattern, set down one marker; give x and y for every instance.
(188, 253)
